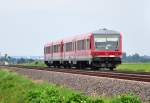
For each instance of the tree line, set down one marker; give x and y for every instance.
(135, 58)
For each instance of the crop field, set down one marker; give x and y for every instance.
(138, 67)
(18, 89)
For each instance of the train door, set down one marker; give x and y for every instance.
(51, 61)
(62, 51)
(74, 51)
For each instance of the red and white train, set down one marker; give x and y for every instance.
(98, 49)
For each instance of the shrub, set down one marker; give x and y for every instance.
(44, 95)
(127, 99)
(77, 98)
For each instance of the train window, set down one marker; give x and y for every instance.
(77, 45)
(64, 47)
(84, 44)
(50, 49)
(55, 48)
(87, 44)
(73, 46)
(82, 48)
(109, 43)
(81, 44)
(47, 50)
(59, 47)
(69, 46)
(44, 50)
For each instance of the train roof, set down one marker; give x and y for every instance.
(105, 31)
(48, 44)
(77, 37)
(53, 43)
(84, 36)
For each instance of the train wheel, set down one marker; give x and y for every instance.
(58, 66)
(68, 65)
(79, 65)
(54, 65)
(111, 68)
(64, 66)
(93, 67)
(49, 66)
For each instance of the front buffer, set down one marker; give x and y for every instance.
(105, 62)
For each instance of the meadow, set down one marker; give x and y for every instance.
(37, 63)
(15, 88)
(137, 67)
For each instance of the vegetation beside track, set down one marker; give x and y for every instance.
(37, 63)
(137, 67)
(17, 89)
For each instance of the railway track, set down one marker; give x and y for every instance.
(145, 77)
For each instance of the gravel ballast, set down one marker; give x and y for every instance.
(90, 85)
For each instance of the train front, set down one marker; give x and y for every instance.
(107, 49)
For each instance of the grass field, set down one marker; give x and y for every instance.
(36, 63)
(17, 89)
(139, 67)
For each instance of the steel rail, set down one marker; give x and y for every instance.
(145, 77)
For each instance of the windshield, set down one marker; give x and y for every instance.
(109, 43)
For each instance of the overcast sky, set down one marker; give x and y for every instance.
(26, 25)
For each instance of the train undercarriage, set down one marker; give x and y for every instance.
(95, 64)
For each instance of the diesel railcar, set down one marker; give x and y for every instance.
(98, 49)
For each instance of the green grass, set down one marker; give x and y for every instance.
(36, 63)
(17, 89)
(138, 67)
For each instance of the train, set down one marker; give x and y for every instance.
(98, 49)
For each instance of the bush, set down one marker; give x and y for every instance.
(127, 99)
(79, 98)
(36, 63)
(44, 95)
